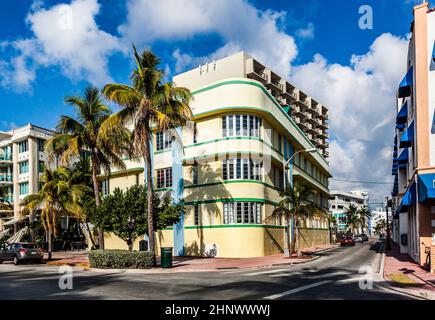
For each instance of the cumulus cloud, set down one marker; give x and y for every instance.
(361, 98)
(307, 32)
(241, 26)
(66, 36)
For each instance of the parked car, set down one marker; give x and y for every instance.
(365, 238)
(21, 251)
(347, 241)
(358, 238)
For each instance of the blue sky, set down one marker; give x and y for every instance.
(307, 41)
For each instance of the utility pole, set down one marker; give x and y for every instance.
(388, 225)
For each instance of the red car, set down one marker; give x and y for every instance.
(347, 241)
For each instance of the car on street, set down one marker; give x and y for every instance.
(347, 241)
(358, 238)
(365, 237)
(20, 252)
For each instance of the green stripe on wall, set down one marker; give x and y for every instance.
(259, 200)
(231, 182)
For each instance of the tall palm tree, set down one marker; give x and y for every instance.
(363, 214)
(296, 205)
(86, 134)
(148, 102)
(58, 196)
(352, 218)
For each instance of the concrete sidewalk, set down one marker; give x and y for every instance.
(189, 264)
(402, 272)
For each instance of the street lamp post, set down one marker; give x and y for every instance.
(284, 166)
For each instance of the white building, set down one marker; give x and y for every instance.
(341, 200)
(22, 161)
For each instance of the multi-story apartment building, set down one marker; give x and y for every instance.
(227, 166)
(22, 160)
(341, 200)
(414, 143)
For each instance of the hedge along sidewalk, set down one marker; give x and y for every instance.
(198, 264)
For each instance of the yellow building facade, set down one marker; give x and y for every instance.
(227, 166)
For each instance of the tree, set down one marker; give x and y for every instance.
(363, 214)
(352, 218)
(123, 213)
(87, 134)
(58, 196)
(148, 102)
(297, 205)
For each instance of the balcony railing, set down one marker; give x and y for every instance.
(6, 178)
(5, 157)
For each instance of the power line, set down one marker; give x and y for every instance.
(362, 182)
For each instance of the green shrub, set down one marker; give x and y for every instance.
(121, 259)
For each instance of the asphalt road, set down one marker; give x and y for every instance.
(335, 275)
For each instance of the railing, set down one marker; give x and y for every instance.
(6, 178)
(5, 157)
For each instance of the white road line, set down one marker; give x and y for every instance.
(289, 292)
(285, 274)
(349, 280)
(266, 272)
(327, 275)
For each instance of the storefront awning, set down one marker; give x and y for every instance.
(433, 52)
(402, 116)
(404, 157)
(405, 86)
(426, 187)
(395, 186)
(400, 126)
(408, 137)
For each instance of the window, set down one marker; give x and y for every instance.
(279, 143)
(196, 215)
(242, 169)
(163, 140)
(105, 187)
(164, 178)
(195, 133)
(41, 145)
(24, 188)
(23, 146)
(41, 166)
(24, 167)
(242, 213)
(195, 174)
(241, 126)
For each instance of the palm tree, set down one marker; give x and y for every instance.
(352, 218)
(87, 135)
(149, 101)
(363, 214)
(296, 205)
(58, 196)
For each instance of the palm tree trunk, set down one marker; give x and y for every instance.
(90, 234)
(97, 200)
(150, 209)
(50, 246)
(288, 236)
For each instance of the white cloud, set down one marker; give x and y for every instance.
(66, 36)
(361, 98)
(241, 26)
(306, 33)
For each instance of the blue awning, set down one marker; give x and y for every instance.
(404, 157)
(433, 52)
(408, 137)
(406, 84)
(402, 116)
(400, 126)
(409, 199)
(426, 187)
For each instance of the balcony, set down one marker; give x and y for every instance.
(5, 178)
(5, 157)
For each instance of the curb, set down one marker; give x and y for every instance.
(388, 284)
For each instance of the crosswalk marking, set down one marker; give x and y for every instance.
(266, 272)
(289, 292)
(327, 275)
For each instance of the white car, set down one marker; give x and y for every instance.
(358, 239)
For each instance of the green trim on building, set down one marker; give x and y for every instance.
(231, 182)
(259, 200)
(263, 89)
(232, 226)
